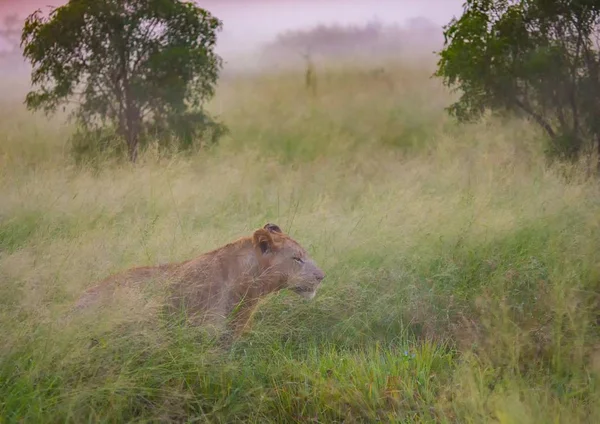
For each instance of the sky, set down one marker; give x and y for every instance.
(247, 23)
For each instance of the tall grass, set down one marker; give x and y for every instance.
(462, 271)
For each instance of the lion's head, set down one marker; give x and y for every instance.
(284, 259)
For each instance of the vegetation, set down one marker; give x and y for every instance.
(537, 58)
(367, 42)
(462, 272)
(463, 269)
(135, 69)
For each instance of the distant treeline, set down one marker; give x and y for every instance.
(372, 38)
(10, 34)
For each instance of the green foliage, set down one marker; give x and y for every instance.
(533, 57)
(15, 233)
(137, 66)
(462, 273)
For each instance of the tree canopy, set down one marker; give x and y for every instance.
(537, 58)
(140, 67)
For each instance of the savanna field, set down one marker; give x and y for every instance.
(463, 270)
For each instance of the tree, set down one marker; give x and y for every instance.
(139, 67)
(535, 58)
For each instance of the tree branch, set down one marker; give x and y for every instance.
(537, 117)
(141, 54)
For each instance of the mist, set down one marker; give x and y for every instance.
(257, 34)
(250, 27)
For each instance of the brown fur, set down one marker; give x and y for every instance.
(226, 283)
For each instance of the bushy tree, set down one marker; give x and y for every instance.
(137, 67)
(537, 58)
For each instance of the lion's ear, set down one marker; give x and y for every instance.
(273, 228)
(263, 240)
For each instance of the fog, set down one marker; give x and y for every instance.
(249, 25)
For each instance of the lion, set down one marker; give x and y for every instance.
(225, 284)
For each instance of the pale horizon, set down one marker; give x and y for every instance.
(250, 22)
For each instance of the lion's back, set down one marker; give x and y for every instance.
(133, 278)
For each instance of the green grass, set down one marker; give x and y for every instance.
(462, 271)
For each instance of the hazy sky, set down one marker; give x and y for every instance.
(248, 22)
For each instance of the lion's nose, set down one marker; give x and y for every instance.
(320, 275)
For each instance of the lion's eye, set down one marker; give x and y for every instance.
(299, 260)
